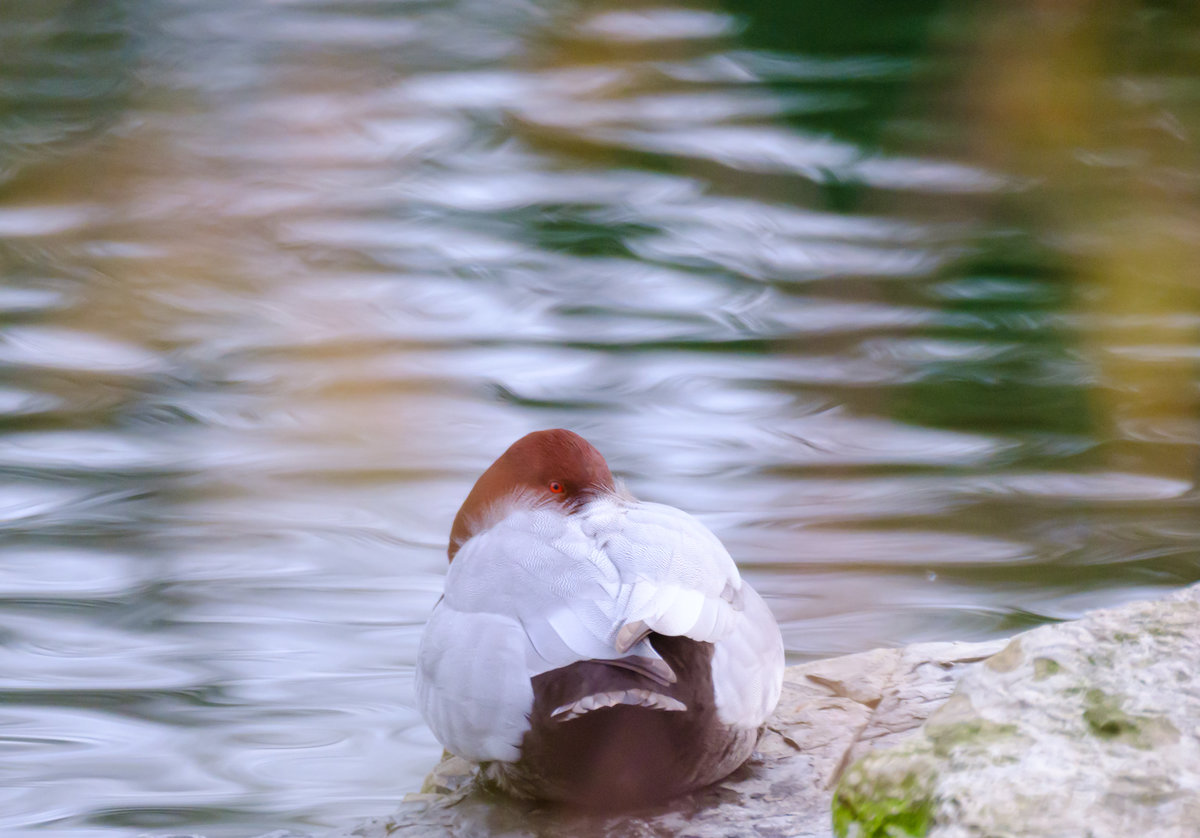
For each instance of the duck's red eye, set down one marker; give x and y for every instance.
(556, 487)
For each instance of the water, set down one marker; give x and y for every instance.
(900, 300)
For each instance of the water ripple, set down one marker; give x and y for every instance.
(283, 278)
(661, 24)
(71, 349)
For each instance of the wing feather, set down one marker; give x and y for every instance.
(471, 683)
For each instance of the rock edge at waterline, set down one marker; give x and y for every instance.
(1098, 720)
(831, 713)
(1089, 728)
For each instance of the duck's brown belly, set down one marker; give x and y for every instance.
(626, 755)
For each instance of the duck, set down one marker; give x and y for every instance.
(592, 649)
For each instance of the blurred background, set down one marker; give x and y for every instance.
(902, 299)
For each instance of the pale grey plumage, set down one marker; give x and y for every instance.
(541, 586)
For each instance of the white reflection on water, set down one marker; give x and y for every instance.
(71, 349)
(662, 24)
(285, 277)
(26, 222)
(755, 149)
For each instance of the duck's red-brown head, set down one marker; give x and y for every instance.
(556, 466)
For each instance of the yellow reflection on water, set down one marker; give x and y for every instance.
(1087, 103)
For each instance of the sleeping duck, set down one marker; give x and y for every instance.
(591, 648)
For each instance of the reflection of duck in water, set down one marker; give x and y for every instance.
(592, 648)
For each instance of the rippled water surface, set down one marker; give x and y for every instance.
(901, 299)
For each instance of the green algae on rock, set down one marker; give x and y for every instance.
(891, 799)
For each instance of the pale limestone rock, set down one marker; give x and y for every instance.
(1088, 729)
(831, 712)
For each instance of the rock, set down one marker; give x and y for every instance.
(1089, 728)
(831, 712)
